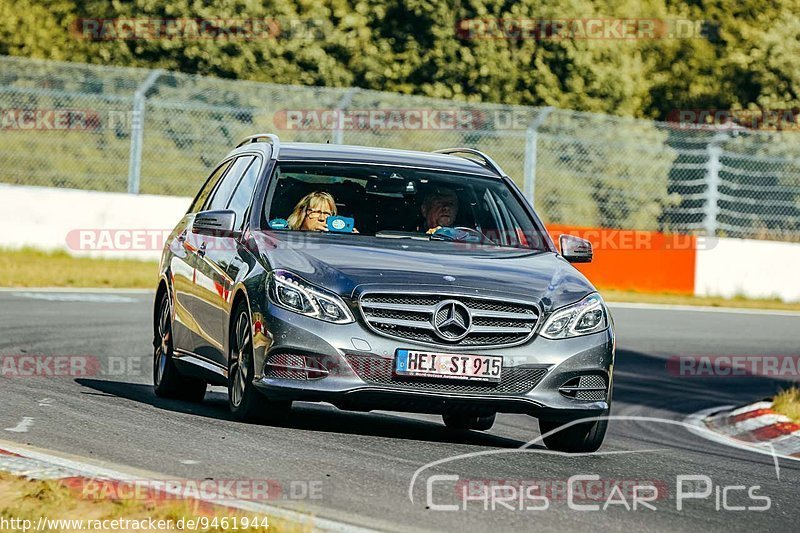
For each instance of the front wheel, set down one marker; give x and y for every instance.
(583, 437)
(168, 382)
(245, 402)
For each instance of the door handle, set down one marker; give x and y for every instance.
(202, 250)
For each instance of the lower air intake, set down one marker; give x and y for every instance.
(591, 387)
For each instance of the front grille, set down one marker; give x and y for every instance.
(379, 371)
(412, 317)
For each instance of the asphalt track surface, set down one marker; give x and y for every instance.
(362, 463)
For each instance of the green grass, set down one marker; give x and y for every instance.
(787, 402)
(24, 499)
(34, 268)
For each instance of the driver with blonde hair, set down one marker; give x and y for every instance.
(312, 211)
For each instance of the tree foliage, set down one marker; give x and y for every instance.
(412, 46)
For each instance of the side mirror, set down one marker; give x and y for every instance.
(214, 223)
(575, 250)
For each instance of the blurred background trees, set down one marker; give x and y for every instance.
(747, 58)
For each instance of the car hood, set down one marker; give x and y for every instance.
(348, 265)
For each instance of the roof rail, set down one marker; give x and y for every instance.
(264, 137)
(485, 160)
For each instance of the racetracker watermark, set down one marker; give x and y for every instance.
(66, 119)
(395, 119)
(736, 119)
(219, 490)
(585, 29)
(604, 239)
(194, 29)
(72, 366)
(50, 119)
(149, 239)
(116, 239)
(732, 366)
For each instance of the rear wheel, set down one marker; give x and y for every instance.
(168, 382)
(584, 437)
(463, 421)
(245, 402)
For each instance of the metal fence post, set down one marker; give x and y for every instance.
(344, 103)
(531, 146)
(712, 184)
(137, 131)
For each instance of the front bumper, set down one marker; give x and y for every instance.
(357, 371)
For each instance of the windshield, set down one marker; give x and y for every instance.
(399, 203)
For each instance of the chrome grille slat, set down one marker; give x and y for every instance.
(422, 324)
(499, 329)
(498, 322)
(403, 300)
(502, 314)
(414, 308)
(410, 316)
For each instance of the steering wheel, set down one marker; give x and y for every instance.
(461, 234)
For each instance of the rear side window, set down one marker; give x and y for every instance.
(224, 191)
(243, 194)
(209, 186)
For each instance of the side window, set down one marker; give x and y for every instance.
(243, 194)
(511, 232)
(501, 223)
(223, 192)
(205, 191)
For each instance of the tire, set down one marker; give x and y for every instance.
(168, 382)
(464, 422)
(584, 437)
(245, 402)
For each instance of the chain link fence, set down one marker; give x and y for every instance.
(157, 132)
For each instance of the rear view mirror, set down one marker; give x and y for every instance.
(215, 223)
(575, 250)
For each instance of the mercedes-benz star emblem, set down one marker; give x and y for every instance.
(452, 320)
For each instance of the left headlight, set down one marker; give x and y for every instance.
(590, 315)
(290, 291)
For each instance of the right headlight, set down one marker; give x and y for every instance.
(590, 315)
(292, 292)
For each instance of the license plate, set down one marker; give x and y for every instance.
(448, 365)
